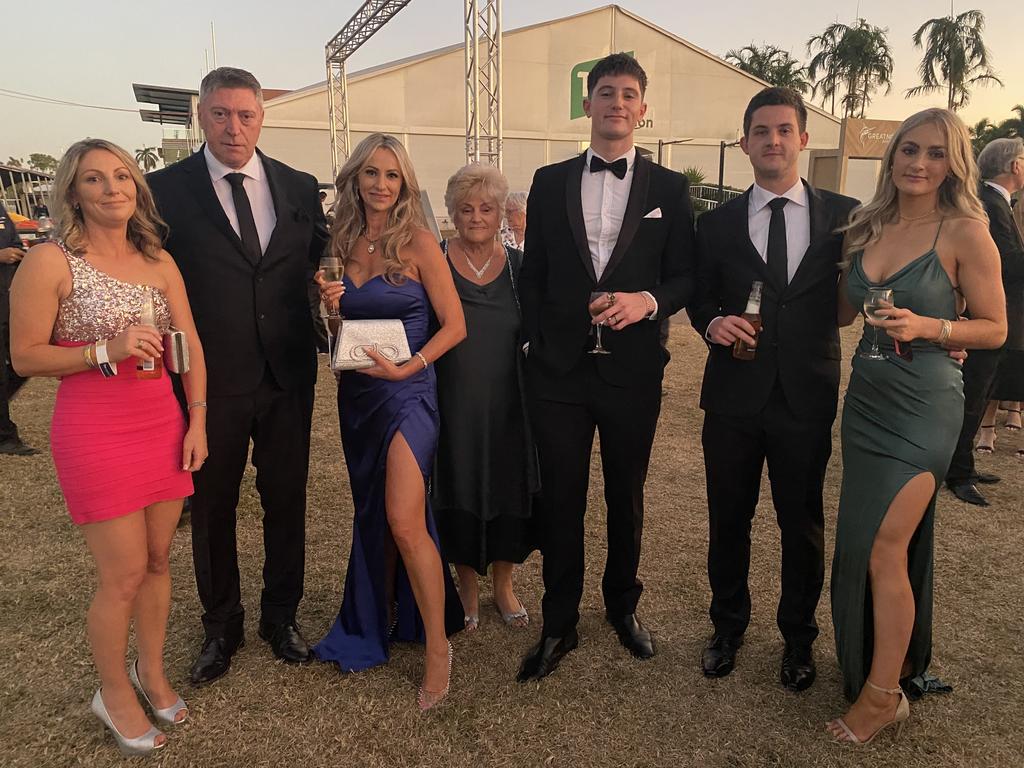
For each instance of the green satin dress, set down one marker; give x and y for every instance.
(900, 418)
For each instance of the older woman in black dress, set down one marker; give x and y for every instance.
(485, 473)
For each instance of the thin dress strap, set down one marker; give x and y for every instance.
(936, 240)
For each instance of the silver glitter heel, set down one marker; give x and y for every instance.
(140, 745)
(165, 716)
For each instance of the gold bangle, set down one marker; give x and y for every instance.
(90, 360)
(947, 328)
(422, 360)
(197, 404)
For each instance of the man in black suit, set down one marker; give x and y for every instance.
(612, 222)
(11, 254)
(1001, 164)
(247, 232)
(779, 406)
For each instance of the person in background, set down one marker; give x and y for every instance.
(122, 450)
(11, 254)
(485, 474)
(513, 234)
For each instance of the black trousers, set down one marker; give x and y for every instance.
(797, 450)
(626, 419)
(10, 382)
(979, 378)
(278, 423)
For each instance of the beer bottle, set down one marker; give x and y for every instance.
(148, 369)
(740, 349)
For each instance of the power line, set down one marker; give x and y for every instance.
(46, 100)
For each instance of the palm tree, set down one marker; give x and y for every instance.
(982, 132)
(147, 158)
(771, 64)
(955, 57)
(856, 58)
(1014, 127)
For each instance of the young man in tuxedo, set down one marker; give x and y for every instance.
(1001, 164)
(607, 222)
(247, 233)
(779, 406)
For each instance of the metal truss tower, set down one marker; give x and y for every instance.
(483, 82)
(371, 16)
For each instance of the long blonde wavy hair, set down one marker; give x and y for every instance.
(405, 216)
(146, 229)
(958, 194)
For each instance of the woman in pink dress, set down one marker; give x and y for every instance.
(120, 444)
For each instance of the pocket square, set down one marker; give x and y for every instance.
(655, 214)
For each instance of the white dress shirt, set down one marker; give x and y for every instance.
(1001, 190)
(798, 227)
(256, 187)
(798, 223)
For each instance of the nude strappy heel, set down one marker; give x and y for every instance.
(430, 699)
(899, 719)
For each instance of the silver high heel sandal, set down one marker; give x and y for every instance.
(140, 745)
(165, 716)
(430, 699)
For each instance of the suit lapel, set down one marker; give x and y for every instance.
(633, 214)
(202, 187)
(574, 209)
(740, 224)
(284, 211)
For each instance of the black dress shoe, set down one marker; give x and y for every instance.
(719, 656)
(969, 492)
(214, 660)
(544, 657)
(633, 635)
(986, 478)
(798, 670)
(286, 642)
(16, 448)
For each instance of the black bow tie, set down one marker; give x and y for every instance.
(619, 167)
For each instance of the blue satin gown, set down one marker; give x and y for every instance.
(371, 411)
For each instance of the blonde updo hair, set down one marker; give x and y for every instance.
(404, 218)
(146, 230)
(958, 194)
(486, 180)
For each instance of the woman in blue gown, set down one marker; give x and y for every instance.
(925, 237)
(397, 587)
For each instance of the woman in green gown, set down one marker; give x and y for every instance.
(925, 236)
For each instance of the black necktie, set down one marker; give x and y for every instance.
(618, 167)
(246, 222)
(777, 265)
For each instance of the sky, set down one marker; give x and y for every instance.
(93, 52)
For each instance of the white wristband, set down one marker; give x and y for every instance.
(106, 367)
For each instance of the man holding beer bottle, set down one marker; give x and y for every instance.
(767, 275)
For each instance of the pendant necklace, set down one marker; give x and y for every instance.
(372, 244)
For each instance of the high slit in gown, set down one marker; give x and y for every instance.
(378, 607)
(900, 419)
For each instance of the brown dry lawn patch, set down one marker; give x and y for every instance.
(600, 709)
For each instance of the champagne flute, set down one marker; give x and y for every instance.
(594, 312)
(334, 270)
(874, 300)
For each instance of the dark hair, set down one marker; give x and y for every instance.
(773, 97)
(616, 64)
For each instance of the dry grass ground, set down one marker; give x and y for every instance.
(600, 709)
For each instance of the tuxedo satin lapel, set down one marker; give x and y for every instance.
(574, 208)
(741, 227)
(202, 187)
(821, 229)
(633, 214)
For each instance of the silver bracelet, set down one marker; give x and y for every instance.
(197, 404)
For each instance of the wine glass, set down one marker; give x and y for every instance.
(874, 300)
(594, 312)
(334, 270)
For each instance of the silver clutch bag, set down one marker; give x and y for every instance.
(176, 351)
(387, 337)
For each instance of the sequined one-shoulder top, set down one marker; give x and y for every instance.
(100, 306)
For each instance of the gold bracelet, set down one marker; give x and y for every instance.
(197, 404)
(947, 328)
(90, 361)
(422, 360)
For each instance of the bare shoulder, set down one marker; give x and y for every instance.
(45, 258)
(968, 236)
(424, 248)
